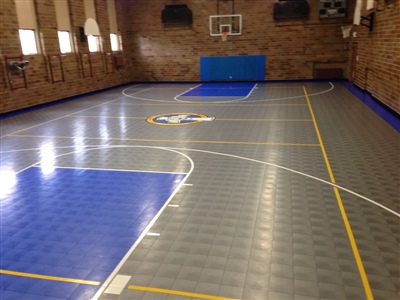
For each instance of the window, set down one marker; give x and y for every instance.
(28, 27)
(63, 25)
(94, 43)
(91, 27)
(115, 42)
(115, 38)
(28, 41)
(65, 41)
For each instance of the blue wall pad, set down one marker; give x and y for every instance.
(238, 89)
(75, 223)
(236, 68)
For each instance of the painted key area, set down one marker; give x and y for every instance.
(74, 224)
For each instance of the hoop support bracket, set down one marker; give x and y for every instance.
(370, 21)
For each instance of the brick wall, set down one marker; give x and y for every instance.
(375, 55)
(154, 52)
(293, 48)
(40, 87)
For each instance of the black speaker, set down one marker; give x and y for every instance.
(82, 35)
(179, 13)
(291, 9)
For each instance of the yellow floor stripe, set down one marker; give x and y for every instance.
(217, 119)
(169, 141)
(350, 234)
(45, 277)
(265, 120)
(225, 104)
(176, 293)
(59, 118)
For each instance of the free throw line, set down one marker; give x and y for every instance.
(46, 277)
(176, 293)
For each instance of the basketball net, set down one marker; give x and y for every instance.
(224, 35)
(346, 30)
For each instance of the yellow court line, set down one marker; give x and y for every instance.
(205, 104)
(350, 234)
(176, 293)
(216, 119)
(167, 141)
(265, 120)
(62, 117)
(56, 119)
(45, 277)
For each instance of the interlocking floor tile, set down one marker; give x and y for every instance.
(257, 219)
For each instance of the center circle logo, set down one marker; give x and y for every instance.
(172, 119)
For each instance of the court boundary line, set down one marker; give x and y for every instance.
(214, 104)
(353, 243)
(37, 165)
(190, 89)
(222, 154)
(173, 141)
(216, 119)
(240, 99)
(296, 172)
(97, 147)
(59, 118)
(148, 227)
(143, 234)
(232, 101)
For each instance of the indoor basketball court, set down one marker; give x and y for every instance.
(231, 186)
(195, 191)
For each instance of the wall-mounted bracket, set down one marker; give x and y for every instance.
(16, 72)
(368, 21)
(16, 66)
(232, 12)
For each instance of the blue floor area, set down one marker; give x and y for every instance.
(237, 89)
(74, 223)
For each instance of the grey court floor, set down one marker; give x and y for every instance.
(292, 191)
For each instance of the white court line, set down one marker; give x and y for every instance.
(231, 101)
(188, 90)
(147, 99)
(167, 203)
(37, 165)
(153, 234)
(248, 95)
(85, 148)
(118, 284)
(130, 95)
(295, 97)
(300, 173)
(228, 155)
(144, 233)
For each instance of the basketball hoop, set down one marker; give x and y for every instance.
(224, 35)
(346, 30)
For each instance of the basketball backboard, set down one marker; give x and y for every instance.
(220, 24)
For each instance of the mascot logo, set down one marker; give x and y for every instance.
(179, 119)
